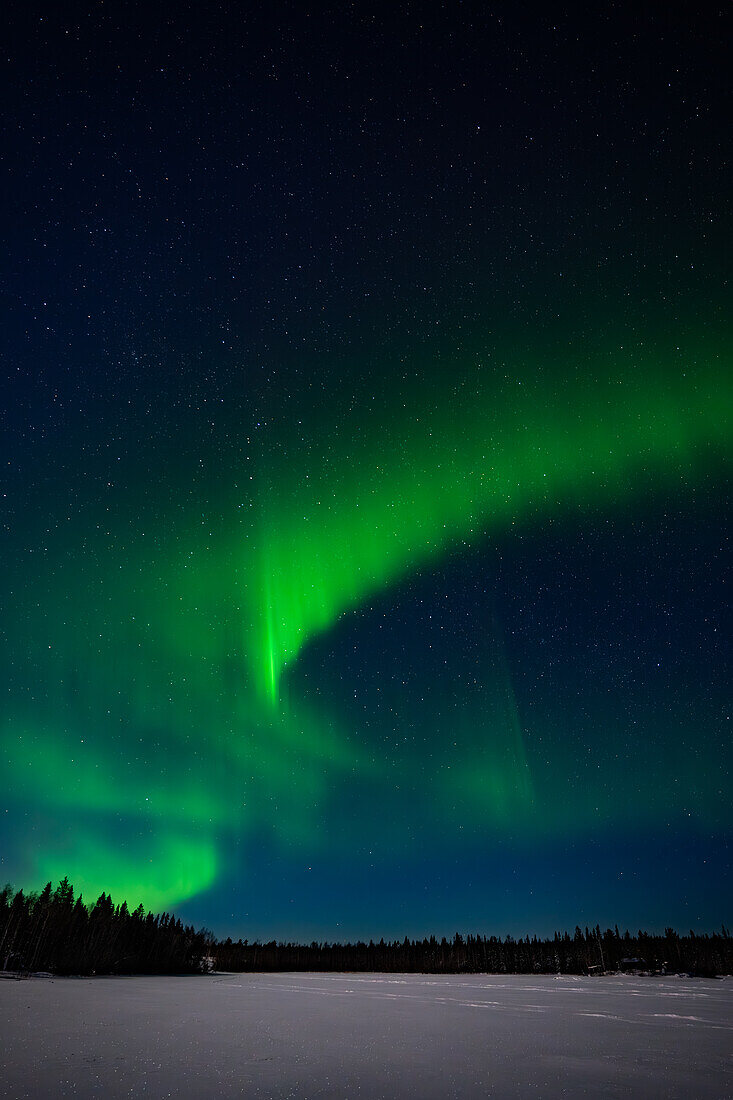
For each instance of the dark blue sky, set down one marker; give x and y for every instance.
(366, 464)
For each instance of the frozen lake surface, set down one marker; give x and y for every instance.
(366, 1036)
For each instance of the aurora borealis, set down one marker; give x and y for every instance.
(367, 451)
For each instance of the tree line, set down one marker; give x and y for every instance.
(587, 951)
(55, 931)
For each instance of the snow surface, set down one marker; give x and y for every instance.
(366, 1036)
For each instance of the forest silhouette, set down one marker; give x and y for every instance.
(55, 932)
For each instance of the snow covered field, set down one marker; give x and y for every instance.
(366, 1036)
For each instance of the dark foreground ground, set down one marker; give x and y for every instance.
(366, 1036)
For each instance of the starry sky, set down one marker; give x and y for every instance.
(366, 456)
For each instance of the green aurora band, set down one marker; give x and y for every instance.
(165, 696)
(468, 464)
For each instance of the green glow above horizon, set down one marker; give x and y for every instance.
(158, 872)
(165, 711)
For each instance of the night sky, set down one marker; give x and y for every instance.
(366, 461)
